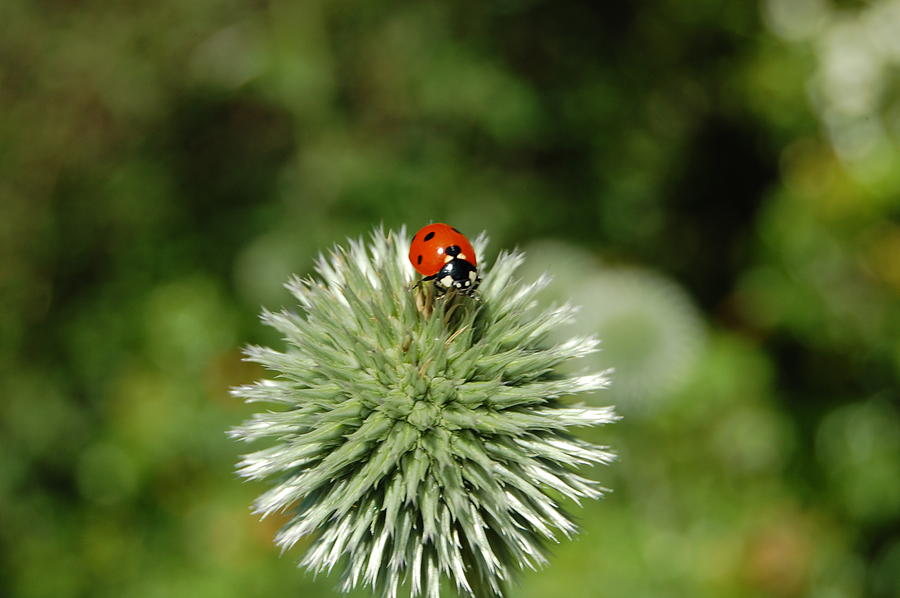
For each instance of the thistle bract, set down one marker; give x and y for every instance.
(417, 447)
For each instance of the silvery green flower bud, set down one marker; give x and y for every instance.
(414, 447)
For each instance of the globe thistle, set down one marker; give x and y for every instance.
(416, 443)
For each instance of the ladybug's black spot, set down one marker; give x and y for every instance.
(413, 239)
(453, 250)
(455, 229)
(419, 260)
(429, 236)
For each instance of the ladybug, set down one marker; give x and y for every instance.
(441, 253)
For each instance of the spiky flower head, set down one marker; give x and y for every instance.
(418, 444)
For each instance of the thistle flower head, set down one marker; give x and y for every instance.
(419, 446)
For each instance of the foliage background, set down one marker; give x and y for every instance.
(718, 183)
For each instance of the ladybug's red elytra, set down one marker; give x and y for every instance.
(441, 253)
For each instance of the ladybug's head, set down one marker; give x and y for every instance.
(458, 274)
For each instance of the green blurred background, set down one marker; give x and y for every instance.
(718, 183)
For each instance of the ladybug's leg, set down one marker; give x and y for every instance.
(425, 294)
(419, 282)
(439, 291)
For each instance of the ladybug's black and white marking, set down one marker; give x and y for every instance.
(456, 274)
(441, 253)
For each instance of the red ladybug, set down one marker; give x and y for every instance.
(441, 253)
